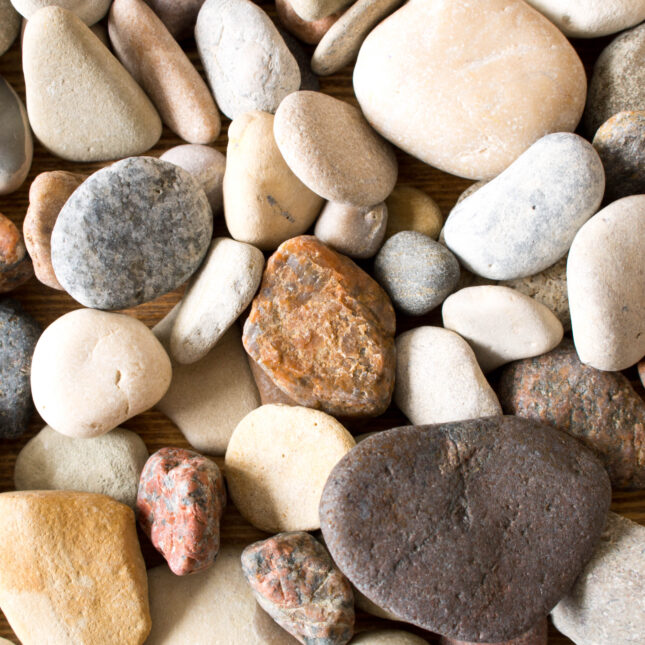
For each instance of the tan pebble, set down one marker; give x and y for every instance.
(471, 190)
(410, 209)
(309, 32)
(15, 265)
(9, 25)
(388, 637)
(89, 11)
(360, 599)
(317, 9)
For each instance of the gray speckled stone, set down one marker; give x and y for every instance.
(10, 21)
(130, 233)
(18, 335)
(417, 272)
(524, 220)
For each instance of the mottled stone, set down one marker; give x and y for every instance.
(15, 264)
(388, 637)
(130, 233)
(411, 209)
(323, 330)
(296, 582)
(19, 333)
(179, 16)
(451, 526)
(16, 145)
(9, 25)
(269, 391)
(89, 11)
(309, 31)
(538, 635)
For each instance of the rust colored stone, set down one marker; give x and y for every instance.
(323, 330)
(15, 264)
(269, 391)
(599, 408)
(536, 636)
(310, 32)
(296, 582)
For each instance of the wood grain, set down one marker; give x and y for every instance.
(157, 431)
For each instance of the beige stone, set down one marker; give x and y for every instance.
(71, 570)
(107, 116)
(317, 9)
(471, 190)
(9, 25)
(156, 61)
(388, 637)
(89, 11)
(309, 31)
(361, 600)
(277, 463)
(411, 209)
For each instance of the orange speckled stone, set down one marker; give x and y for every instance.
(323, 330)
(15, 264)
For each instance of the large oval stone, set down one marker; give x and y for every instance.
(473, 530)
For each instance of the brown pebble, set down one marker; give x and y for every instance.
(15, 264)
(411, 209)
(309, 32)
(536, 636)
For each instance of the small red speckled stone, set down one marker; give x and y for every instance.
(179, 505)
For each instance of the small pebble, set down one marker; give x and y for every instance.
(89, 11)
(538, 635)
(311, 10)
(471, 190)
(388, 637)
(179, 16)
(269, 391)
(361, 601)
(16, 145)
(15, 265)
(308, 31)
(410, 209)
(9, 25)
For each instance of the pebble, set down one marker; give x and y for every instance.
(620, 143)
(16, 145)
(308, 80)
(417, 272)
(264, 202)
(47, 195)
(180, 504)
(89, 11)
(605, 278)
(353, 231)
(215, 297)
(618, 80)
(606, 603)
(601, 409)
(109, 465)
(66, 556)
(331, 148)
(361, 601)
(92, 370)
(438, 379)
(339, 46)
(501, 324)
(15, 265)
(316, 9)
(156, 61)
(471, 190)
(461, 122)
(152, 212)
(10, 22)
(388, 637)
(341, 364)
(277, 463)
(231, 31)
(296, 582)
(538, 635)
(179, 16)
(524, 220)
(19, 333)
(308, 31)
(411, 209)
(269, 391)
(475, 530)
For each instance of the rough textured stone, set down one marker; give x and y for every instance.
(9, 25)
(180, 503)
(15, 264)
(71, 570)
(130, 233)
(331, 148)
(524, 220)
(309, 31)
(451, 526)
(599, 408)
(89, 11)
(323, 330)
(410, 209)
(109, 465)
(388, 637)
(269, 391)
(16, 145)
(296, 582)
(179, 16)
(277, 463)
(317, 9)
(538, 635)
(605, 277)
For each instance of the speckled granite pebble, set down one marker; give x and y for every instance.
(16, 145)
(538, 635)
(308, 31)
(411, 209)
(179, 16)
(15, 264)
(9, 25)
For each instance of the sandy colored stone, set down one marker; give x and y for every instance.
(9, 25)
(264, 201)
(16, 145)
(331, 148)
(15, 264)
(148, 51)
(538, 635)
(471, 190)
(388, 637)
(71, 570)
(107, 116)
(89, 11)
(92, 370)
(411, 209)
(429, 79)
(317, 9)
(179, 16)
(309, 31)
(269, 391)
(277, 463)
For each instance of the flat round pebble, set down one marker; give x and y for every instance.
(15, 265)
(308, 31)
(179, 16)
(16, 145)
(89, 11)
(538, 635)
(388, 637)
(130, 233)
(109, 465)
(10, 22)
(411, 209)
(277, 462)
(331, 148)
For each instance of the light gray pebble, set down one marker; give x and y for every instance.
(16, 145)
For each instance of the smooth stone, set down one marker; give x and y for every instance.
(308, 31)
(501, 324)
(89, 11)
(601, 409)
(317, 9)
(179, 16)
(269, 391)
(15, 264)
(620, 143)
(331, 148)
(361, 600)
(524, 220)
(16, 145)
(388, 637)
(476, 502)
(417, 272)
(264, 202)
(538, 635)
(68, 556)
(428, 79)
(232, 31)
(606, 603)
(47, 195)
(606, 280)
(438, 379)
(356, 232)
(10, 22)
(339, 46)
(19, 333)
(130, 233)
(215, 297)
(411, 209)
(109, 465)
(216, 605)
(308, 80)
(93, 370)
(471, 190)
(277, 463)
(618, 80)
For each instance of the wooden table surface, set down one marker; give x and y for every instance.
(46, 305)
